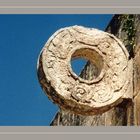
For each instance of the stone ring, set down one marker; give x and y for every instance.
(70, 91)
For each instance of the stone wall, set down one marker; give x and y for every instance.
(127, 29)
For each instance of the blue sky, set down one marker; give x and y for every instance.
(22, 101)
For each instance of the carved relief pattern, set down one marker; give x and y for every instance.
(80, 94)
(104, 90)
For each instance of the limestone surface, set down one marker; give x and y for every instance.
(71, 92)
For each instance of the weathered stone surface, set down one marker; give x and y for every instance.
(73, 93)
(137, 71)
(121, 115)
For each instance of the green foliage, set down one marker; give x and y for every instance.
(129, 27)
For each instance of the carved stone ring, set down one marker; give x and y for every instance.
(73, 93)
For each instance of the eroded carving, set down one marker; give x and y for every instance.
(80, 94)
(74, 93)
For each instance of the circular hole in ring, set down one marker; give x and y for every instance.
(92, 61)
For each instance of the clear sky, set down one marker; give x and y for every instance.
(22, 101)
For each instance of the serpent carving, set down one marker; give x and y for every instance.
(71, 92)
